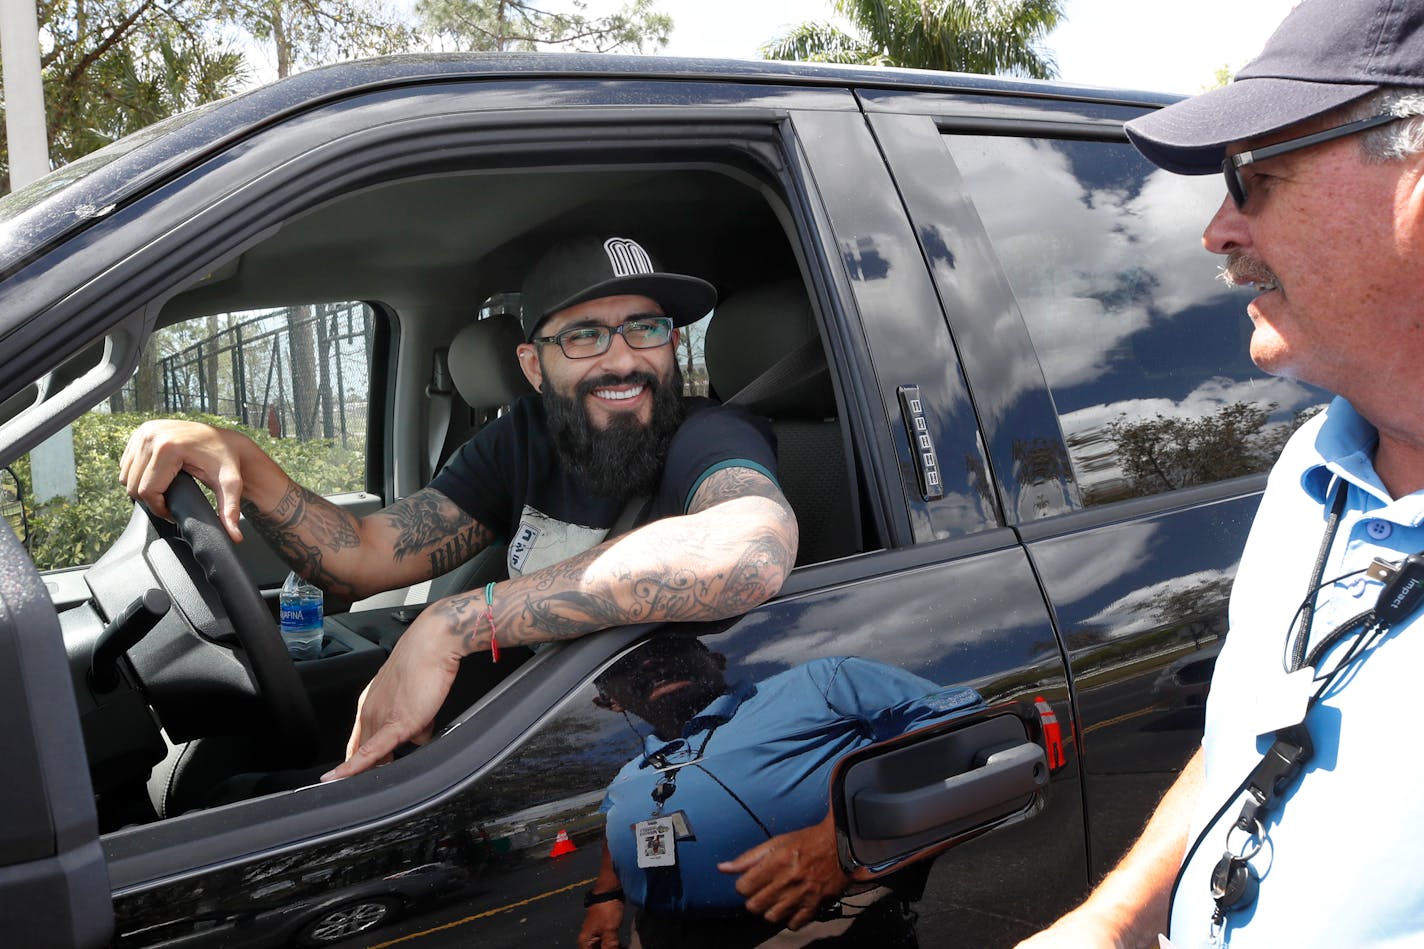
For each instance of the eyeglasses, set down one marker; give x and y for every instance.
(1231, 167)
(639, 332)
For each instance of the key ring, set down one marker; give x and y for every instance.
(1258, 835)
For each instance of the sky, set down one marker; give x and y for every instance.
(1155, 45)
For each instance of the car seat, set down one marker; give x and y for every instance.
(764, 352)
(486, 374)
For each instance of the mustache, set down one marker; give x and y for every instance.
(609, 380)
(1243, 269)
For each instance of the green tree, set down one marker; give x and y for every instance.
(498, 25)
(978, 36)
(1162, 454)
(111, 67)
(69, 531)
(304, 33)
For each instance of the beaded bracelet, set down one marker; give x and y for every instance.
(489, 615)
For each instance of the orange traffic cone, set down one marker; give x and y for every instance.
(562, 845)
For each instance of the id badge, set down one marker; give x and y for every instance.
(681, 826)
(655, 840)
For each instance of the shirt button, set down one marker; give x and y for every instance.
(1377, 529)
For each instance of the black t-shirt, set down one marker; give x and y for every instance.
(508, 477)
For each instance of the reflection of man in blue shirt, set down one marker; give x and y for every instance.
(727, 808)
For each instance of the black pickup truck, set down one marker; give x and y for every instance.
(1014, 411)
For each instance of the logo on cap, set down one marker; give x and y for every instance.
(627, 257)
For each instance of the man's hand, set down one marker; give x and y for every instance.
(600, 926)
(603, 919)
(400, 703)
(788, 878)
(158, 450)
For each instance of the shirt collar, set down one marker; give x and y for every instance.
(717, 712)
(1344, 448)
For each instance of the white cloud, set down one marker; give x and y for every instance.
(1211, 396)
(1082, 284)
(1138, 611)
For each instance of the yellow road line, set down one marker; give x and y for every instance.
(489, 912)
(1123, 718)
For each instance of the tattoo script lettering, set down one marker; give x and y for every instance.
(428, 522)
(302, 527)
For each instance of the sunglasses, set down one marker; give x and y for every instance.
(1231, 167)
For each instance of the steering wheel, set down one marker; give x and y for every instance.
(292, 720)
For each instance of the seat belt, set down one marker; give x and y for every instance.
(634, 510)
(439, 392)
(795, 367)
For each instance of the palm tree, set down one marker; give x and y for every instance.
(980, 36)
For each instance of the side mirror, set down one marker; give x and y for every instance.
(12, 505)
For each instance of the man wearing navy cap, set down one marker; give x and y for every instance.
(1298, 823)
(608, 426)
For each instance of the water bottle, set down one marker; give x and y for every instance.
(301, 618)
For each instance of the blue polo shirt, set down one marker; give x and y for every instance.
(769, 750)
(1345, 851)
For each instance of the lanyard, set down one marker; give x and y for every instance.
(1234, 882)
(666, 784)
(1312, 592)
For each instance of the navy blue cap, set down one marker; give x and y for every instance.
(587, 268)
(1324, 55)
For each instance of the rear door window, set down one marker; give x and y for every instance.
(1145, 352)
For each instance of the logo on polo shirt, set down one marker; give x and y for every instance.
(627, 257)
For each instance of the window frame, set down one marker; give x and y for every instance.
(141, 857)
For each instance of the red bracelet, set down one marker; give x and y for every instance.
(489, 615)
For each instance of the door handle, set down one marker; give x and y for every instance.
(1007, 774)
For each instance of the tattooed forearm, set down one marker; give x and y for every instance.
(709, 572)
(465, 616)
(429, 523)
(302, 527)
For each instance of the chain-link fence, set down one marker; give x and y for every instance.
(300, 371)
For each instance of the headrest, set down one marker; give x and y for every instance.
(750, 332)
(483, 365)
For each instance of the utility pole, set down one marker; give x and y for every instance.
(24, 93)
(51, 462)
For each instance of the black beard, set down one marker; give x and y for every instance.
(626, 459)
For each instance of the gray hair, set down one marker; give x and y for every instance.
(1398, 140)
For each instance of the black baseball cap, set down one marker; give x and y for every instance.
(1324, 55)
(587, 268)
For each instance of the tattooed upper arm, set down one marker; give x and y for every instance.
(766, 542)
(729, 484)
(430, 526)
(736, 482)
